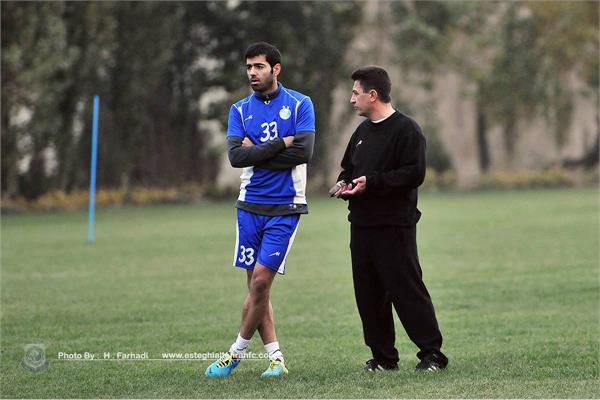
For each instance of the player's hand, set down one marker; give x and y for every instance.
(360, 186)
(288, 140)
(247, 142)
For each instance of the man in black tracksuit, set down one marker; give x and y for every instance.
(382, 168)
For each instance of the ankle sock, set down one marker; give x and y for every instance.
(274, 351)
(240, 345)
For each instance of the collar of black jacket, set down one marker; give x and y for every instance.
(269, 96)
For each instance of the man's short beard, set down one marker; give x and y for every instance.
(263, 87)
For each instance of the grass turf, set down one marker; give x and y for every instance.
(513, 276)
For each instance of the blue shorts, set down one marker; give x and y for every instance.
(265, 239)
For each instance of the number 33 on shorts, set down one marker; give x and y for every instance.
(264, 239)
(246, 255)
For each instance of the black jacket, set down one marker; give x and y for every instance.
(391, 154)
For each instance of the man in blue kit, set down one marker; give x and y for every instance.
(270, 135)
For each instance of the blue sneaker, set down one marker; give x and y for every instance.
(276, 368)
(223, 366)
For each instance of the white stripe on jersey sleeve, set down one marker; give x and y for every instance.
(296, 111)
(240, 110)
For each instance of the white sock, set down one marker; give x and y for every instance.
(273, 350)
(240, 345)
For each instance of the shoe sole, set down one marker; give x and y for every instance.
(284, 373)
(433, 368)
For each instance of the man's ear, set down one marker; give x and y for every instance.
(276, 69)
(373, 95)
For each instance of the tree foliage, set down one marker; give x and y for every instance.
(517, 53)
(153, 64)
(167, 73)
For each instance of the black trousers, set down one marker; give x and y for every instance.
(386, 272)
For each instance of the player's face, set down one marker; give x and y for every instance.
(361, 100)
(262, 77)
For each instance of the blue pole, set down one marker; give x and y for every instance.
(90, 238)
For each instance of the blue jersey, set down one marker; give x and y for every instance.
(263, 120)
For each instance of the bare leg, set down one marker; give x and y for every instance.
(257, 307)
(266, 327)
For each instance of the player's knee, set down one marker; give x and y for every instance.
(259, 287)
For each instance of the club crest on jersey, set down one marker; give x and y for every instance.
(285, 112)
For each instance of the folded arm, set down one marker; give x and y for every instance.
(241, 156)
(300, 152)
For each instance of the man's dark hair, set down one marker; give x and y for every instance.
(374, 78)
(271, 53)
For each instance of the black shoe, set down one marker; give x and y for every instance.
(432, 362)
(372, 366)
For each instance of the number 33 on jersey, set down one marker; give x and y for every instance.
(284, 113)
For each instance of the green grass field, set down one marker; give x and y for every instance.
(513, 275)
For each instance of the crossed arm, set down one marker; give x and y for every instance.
(278, 154)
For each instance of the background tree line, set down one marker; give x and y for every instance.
(517, 55)
(167, 73)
